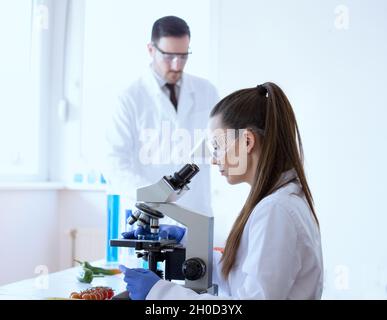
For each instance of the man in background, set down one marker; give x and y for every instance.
(153, 126)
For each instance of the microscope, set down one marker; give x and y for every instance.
(192, 262)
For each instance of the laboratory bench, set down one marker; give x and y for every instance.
(59, 285)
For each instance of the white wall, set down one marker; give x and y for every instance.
(80, 210)
(336, 80)
(28, 233)
(35, 225)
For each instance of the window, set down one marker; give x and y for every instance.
(22, 27)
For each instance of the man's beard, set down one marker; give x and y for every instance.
(176, 75)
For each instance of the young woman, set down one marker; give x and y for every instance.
(273, 250)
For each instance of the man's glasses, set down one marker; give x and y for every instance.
(170, 56)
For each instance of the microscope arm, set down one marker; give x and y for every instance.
(199, 238)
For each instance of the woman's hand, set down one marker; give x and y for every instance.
(139, 281)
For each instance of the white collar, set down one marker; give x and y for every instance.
(287, 177)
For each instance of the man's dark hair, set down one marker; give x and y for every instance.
(169, 26)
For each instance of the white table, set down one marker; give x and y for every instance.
(58, 285)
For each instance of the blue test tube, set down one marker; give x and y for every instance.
(113, 212)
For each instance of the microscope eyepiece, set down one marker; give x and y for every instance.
(184, 176)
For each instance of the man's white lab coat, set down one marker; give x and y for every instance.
(147, 138)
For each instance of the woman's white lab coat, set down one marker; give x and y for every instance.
(145, 133)
(279, 255)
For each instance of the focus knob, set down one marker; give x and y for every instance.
(194, 269)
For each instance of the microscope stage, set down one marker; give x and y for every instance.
(141, 244)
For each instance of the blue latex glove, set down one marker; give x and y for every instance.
(139, 281)
(166, 232)
(133, 234)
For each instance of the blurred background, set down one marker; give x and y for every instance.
(62, 63)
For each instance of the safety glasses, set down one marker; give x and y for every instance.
(171, 56)
(219, 143)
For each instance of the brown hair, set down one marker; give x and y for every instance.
(267, 108)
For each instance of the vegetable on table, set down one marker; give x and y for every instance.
(87, 276)
(98, 270)
(95, 293)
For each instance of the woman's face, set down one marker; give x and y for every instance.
(231, 151)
